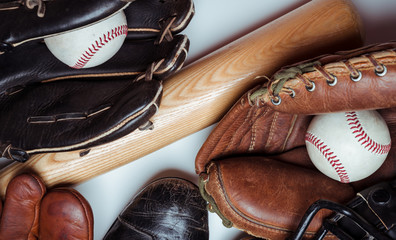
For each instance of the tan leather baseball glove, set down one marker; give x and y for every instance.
(254, 168)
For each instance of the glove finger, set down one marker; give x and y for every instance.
(37, 64)
(76, 114)
(39, 19)
(20, 216)
(337, 86)
(65, 213)
(265, 197)
(152, 18)
(249, 128)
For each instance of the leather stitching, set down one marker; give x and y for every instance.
(272, 130)
(98, 44)
(363, 138)
(329, 155)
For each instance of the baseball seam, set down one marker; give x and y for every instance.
(329, 155)
(98, 44)
(363, 138)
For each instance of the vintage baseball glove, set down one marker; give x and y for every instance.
(33, 212)
(254, 168)
(32, 20)
(48, 106)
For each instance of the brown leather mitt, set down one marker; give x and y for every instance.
(30, 212)
(254, 168)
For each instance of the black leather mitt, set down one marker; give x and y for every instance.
(48, 106)
(28, 20)
(168, 208)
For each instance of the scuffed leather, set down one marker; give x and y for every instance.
(372, 92)
(65, 214)
(21, 24)
(32, 213)
(254, 126)
(168, 208)
(20, 212)
(265, 196)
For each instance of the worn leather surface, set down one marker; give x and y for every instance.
(32, 63)
(32, 213)
(266, 196)
(65, 214)
(168, 208)
(74, 114)
(48, 106)
(149, 18)
(20, 212)
(19, 23)
(255, 126)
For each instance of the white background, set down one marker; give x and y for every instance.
(216, 23)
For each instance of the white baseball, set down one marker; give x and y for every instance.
(90, 46)
(348, 146)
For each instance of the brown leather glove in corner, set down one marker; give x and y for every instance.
(31, 213)
(254, 168)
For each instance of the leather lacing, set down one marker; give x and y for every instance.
(30, 4)
(148, 74)
(276, 85)
(72, 116)
(9, 152)
(165, 32)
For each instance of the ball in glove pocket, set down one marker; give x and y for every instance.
(92, 45)
(348, 146)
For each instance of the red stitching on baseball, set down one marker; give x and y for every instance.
(107, 37)
(329, 156)
(363, 137)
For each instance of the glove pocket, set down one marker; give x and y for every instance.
(76, 114)
(267, 198)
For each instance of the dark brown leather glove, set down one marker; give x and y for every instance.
(167, 208)
(254, 168)
(50, 107)
(31, 213)
(37, 19)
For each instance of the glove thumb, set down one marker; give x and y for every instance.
(20, 213)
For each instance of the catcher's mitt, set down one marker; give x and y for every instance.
(254, 167)
(48, 106)
(37, 19)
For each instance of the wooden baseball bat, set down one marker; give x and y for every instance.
(201, 93)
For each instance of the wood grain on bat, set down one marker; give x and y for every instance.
(201, 93)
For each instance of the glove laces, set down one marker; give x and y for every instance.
(30, 4)
(276, 84)
(148, 74)
(165, 32)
